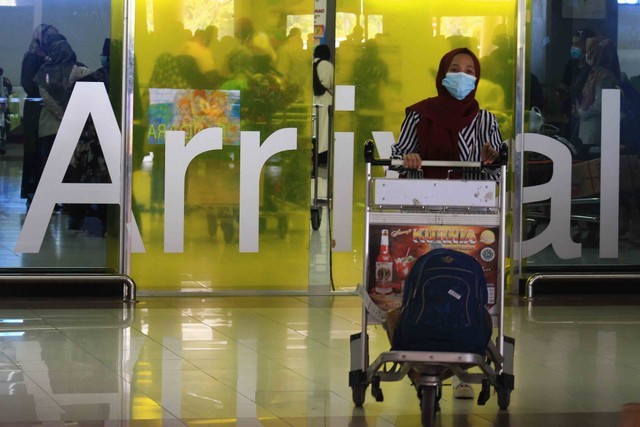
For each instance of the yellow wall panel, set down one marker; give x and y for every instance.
(188, 77)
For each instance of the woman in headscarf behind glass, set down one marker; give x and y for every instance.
(31, 63)
(55, 86)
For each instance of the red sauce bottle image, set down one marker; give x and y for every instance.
(384, 266)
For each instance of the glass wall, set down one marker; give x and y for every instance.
(230, 210)
(221, 131)
(580, 157)
(46, 48)
(390, 52)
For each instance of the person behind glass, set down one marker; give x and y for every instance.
(323, 97)
(605, 73)
(34, 58)
(55, 85)
(293, 62)
(450, 126)
(575, 75)
(197, 47)
(31, 63)
(88, 164)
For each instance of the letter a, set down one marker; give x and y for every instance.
(88, 98)
(558, 192)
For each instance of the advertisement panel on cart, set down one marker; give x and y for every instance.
(393, 249)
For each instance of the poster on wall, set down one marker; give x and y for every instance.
(393, 250)
(320, 22)
(192, 110)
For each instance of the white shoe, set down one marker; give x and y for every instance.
(463, 391)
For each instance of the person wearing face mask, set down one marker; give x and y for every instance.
(576, 71)
(569, 91)
(450, 126)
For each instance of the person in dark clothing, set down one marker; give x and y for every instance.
(55, 86)
(574, 77)
(88, 164)
(31, 63)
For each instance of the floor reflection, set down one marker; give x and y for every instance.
(283, 361)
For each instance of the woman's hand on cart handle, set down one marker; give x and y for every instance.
(488, 154)
(495, 159)
(411, 161)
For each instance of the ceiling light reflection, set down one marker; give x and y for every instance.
(12, 334)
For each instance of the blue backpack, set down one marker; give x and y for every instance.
(444, 305)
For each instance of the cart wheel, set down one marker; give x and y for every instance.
(212, 224)
(428, 405)
(358, 393)
(316, 218)
(227, 231)
(504, 398)
(283, 226)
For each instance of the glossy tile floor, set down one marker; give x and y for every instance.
(284, 361)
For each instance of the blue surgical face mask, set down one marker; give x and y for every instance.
(459, 85)
(576, 52)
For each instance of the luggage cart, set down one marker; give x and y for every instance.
(405, 206)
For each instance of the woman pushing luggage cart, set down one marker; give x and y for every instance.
(412, 217)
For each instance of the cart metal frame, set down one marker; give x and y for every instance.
(428, 369)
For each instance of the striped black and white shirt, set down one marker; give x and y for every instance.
(483, 129)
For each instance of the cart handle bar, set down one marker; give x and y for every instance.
(503, 157)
